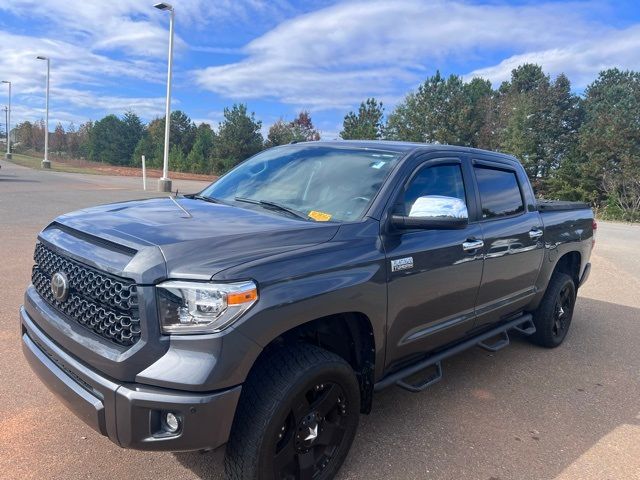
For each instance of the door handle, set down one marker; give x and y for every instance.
(535, 233)
(471, 245)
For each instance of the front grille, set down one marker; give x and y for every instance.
(106, 304)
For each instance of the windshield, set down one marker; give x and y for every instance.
(319, 183)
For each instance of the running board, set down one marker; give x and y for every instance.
(526, 328)
(430, 380)
(523, 324)
(499, 344)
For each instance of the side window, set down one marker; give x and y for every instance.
(441, 180)
(499, 192)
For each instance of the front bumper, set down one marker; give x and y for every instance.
(130, 414)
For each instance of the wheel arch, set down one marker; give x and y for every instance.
(349, 335)
(570, 264)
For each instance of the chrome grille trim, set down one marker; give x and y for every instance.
(106, 304)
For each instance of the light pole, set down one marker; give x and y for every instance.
(6, 120)
(164, 184)
(8, 155)
(45, 162)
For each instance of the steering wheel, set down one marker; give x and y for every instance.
(352, 204)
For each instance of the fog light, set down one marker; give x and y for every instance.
(171, 422)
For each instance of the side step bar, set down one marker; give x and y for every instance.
(523, 324)
(498, 344)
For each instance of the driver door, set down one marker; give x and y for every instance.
(433, 277)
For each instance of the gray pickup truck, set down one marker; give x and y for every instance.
(262, 313)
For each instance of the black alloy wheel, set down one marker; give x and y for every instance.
(297, 416)
(563, 311)
(312, 434)
(553, 316)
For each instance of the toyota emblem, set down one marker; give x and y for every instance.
(60, 286)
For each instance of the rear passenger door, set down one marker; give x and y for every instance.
(513, 246)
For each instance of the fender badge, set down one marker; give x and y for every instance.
(401, 264)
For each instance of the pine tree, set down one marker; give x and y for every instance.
(610, 141)
(132, 130)
(438, 112)
(239, 136)
(105, 142)
(200, 158)
(177, 159)
(366, 124)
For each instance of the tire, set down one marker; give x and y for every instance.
(553, 316)
(296, 418)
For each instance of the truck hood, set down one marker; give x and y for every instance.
(213, 238)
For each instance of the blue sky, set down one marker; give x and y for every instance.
(281, 56)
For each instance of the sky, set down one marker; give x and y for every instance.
(283, 56)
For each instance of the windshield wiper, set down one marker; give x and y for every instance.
(277, 206)
(196, 196)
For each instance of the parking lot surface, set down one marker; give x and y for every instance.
(521, 413)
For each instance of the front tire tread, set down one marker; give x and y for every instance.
(262, 395)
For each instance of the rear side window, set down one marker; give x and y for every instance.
(499, 192)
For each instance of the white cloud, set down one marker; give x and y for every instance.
(109, 24)
(99, 46)
(73, 63)
(212, 118)
(339, 55)
(305, 86)
(405, 30)
(146, 107)
(21, 112)
(331, 58)
(581, 61)
(92, 105)
(72, 66)
(134, 26)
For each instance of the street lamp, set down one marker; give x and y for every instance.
(8, 155)
(45, 162)
(164, 184)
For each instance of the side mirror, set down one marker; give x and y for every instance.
(434, 212)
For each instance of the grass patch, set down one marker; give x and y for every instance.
(36, 162)
(97, 168)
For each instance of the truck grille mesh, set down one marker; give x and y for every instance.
(106, 304)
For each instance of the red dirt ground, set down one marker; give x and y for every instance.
(106, 169)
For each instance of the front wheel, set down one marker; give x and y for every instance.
(554, 314)
(296, 419)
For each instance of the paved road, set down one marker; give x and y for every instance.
(521, 413)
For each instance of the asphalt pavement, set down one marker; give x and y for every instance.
(521, 413)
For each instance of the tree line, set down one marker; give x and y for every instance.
(575, 147)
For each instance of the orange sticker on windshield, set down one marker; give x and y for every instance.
(319, 216)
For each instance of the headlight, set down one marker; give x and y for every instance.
(198, 307)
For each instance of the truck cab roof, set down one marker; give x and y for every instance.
(405, 147)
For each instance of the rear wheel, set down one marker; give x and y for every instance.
(296, 419)
(553, 317)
